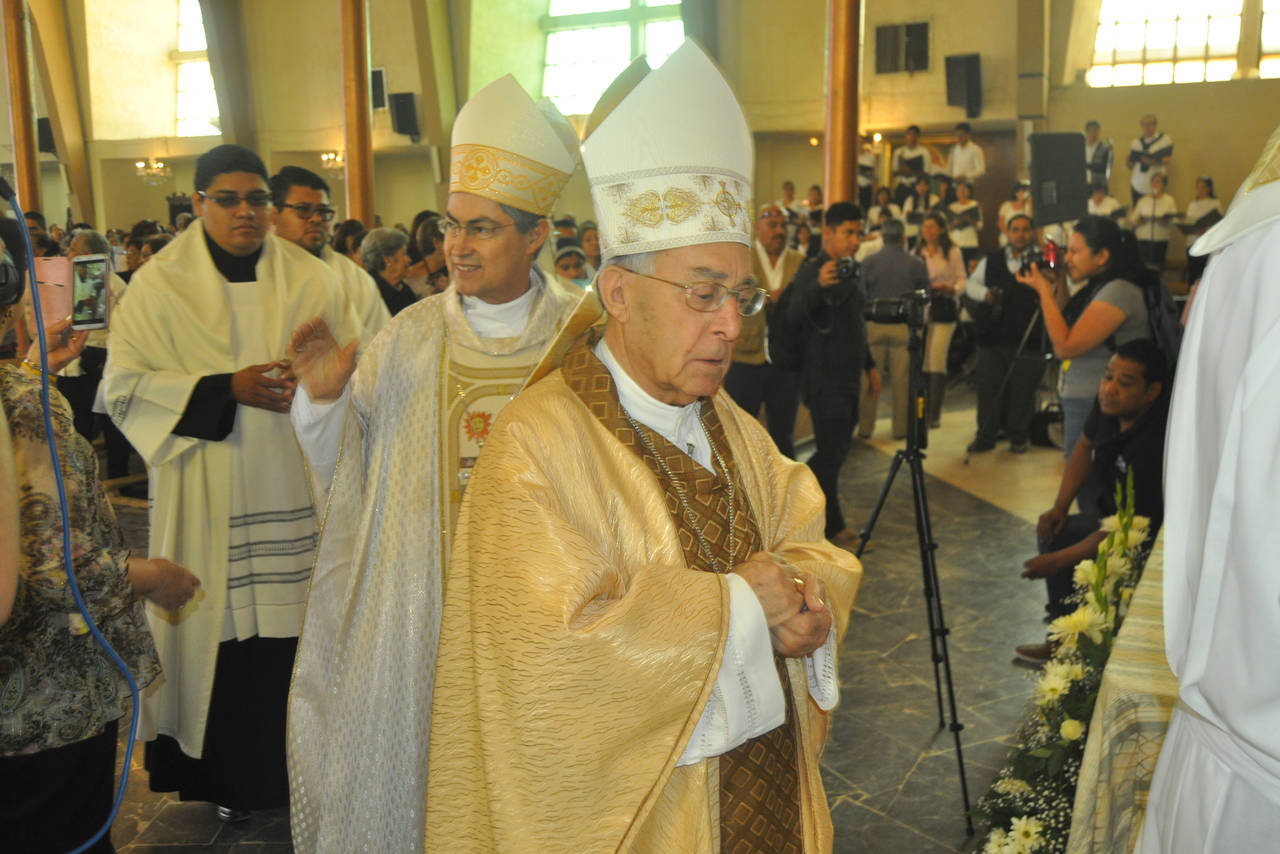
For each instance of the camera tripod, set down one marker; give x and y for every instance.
(917, 440)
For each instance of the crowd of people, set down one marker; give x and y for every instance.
(1023, 317)
(349, 607)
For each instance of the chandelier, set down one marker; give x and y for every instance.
(331, 161)
(153, 172)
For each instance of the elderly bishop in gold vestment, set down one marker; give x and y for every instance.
(641, 616)
(399, 438)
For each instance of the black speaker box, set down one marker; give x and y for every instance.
(378, 89)
(964, 83)
(1059, 190)
(404, 115)
(44, 137)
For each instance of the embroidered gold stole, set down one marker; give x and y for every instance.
(759, 780)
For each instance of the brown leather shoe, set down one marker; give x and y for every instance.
(846, 539)
(1035, 651)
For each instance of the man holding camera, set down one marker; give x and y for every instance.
(1009, 333)
(827, 304)
(890, 274)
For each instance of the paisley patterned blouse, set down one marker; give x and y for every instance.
(57, 686)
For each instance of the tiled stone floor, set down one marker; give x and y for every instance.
(890, 773)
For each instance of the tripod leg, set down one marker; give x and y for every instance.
(938, 629)
(865, 533)
(924, 536)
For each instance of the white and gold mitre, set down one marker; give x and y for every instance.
(670, 166)
(509, 149)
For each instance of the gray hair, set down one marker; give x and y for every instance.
(379, 245)
(525, 221)
(893, 231)
(89, 242)
(643, 263)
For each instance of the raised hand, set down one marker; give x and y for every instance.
(320, 365)
(64, 345)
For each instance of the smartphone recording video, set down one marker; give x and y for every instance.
(89, 292)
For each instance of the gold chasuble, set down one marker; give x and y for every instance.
(759, 788)
(583, 626)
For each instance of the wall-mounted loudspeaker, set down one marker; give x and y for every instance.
(404, 115)
(964, 83)
(378, 89)
(1059, 190)
(44, 137)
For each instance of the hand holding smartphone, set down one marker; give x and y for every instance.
(75, 287)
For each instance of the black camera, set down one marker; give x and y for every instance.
(908, 309)
(1046, 259)
(845, 267)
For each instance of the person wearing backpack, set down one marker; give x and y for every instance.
(1109, 310)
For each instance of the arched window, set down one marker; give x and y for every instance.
(589, 42)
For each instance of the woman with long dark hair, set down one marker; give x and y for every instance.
(947, 278)
(1107, 311)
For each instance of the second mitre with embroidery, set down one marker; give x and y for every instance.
(391, 456)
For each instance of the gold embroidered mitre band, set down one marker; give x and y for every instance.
(663, 209)
(669, 164)
(505, 177)
(511, 150)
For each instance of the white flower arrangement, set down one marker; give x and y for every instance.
(1028, 807)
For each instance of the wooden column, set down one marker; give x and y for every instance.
(22, 113)
(67, 108)
(357, 134)
(844, 20)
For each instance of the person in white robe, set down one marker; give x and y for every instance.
(393, 443)
(196, 379)
(302, 215)
(1217, 782)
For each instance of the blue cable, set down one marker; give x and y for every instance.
(66, 535)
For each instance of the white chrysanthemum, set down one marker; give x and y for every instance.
(1012, 786)
(1110, 524)
(996, 840)
(1139, 530)
(1050, 689)
(1071, 729)
(1071, 671)
(1118, 568)
(1086, 573)
(1085, 620)
(1026, 831)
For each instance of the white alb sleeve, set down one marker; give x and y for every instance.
(820, 668)
(318, 427)
(747, 698)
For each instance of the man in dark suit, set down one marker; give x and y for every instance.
(826, 305)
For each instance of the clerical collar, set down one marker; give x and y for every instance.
(679, 425)
(504, 320)
(235, 268)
